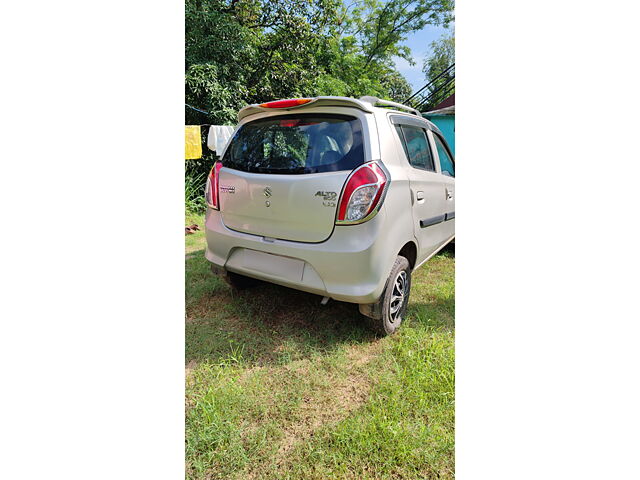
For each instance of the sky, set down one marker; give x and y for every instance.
(420, 45)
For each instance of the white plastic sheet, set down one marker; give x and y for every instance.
(219, 136)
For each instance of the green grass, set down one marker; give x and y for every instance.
(279, 386)
(194, 241)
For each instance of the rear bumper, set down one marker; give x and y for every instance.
(351, 266)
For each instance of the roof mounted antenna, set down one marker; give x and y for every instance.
(386, 103)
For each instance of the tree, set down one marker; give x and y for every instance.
(239, 52)
(442, 57)
(397, 86)
(380, 27)
(371, 35)
(247, 51)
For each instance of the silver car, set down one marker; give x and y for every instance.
(335, 196)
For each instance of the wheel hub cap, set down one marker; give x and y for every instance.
(397, 296)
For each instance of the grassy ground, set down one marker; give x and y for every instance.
(279, 386)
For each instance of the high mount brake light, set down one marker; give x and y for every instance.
(294, 102)
(212, 190)
(289, 123)
(296, 122)
(362, 195)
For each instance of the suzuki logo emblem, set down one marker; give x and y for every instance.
(267, 191)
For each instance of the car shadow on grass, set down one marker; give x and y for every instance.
(273, 325)
(265, 324)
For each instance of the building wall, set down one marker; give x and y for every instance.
(447, 125)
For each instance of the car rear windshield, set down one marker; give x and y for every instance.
(297, 144)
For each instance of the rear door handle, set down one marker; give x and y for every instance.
(419, 196)
(449, 194)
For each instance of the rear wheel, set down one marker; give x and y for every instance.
(392, 306)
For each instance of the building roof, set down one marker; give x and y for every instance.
(442, 111)
(447, 102)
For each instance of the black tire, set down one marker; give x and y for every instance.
(240, 282)
(392, 310)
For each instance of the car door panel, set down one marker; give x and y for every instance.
(445, 167)
(427, 199)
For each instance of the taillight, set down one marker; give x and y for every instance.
(294, 102)
(211, 191)
(362, 195)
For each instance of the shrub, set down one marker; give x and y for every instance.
(194, 192)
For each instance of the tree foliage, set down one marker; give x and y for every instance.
(239, 52)
(442, 57)
(382, 26)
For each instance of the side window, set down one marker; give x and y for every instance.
(401, 136)
(416, 147)
(446, 162)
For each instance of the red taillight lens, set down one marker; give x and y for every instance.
(362, 194)
(294, 102)
(211, 191)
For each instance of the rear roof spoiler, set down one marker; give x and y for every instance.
(366, 104)
(387, 103)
